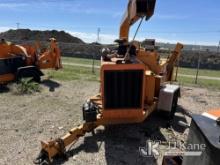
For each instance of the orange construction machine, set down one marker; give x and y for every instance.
(134, 83)
(18, 61)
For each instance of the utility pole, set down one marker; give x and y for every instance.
(98, 35)
(177, 68)
(218, 47)
(18, 25)
(93, 63)
(198, 65)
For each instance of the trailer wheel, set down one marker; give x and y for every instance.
(29, 72)
(36, 77)
(32, 75)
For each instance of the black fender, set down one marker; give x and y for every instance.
(29, 71)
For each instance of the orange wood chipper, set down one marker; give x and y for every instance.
(19, 61)
(134, 83)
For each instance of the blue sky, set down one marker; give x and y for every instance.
(188, 21)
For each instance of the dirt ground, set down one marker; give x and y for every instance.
(26, 120)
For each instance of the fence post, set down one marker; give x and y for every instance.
(198, 66)
(93, 63)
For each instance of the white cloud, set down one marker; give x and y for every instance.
(12, 5)
(170, 17)
(92, 37)
(117, 14)
(3, 29)
(110, 38)
(107, 38)
(186, 42)
(73, 6)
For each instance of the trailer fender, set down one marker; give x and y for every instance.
(29, 71)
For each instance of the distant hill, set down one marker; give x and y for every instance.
(32, 35)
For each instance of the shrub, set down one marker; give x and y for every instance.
(27, 86)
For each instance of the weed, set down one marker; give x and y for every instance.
(27, 86)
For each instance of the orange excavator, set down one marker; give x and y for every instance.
(20, 61)
(134, 83)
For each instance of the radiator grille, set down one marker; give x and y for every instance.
(123, 89)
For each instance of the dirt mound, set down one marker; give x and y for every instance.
(28, 35)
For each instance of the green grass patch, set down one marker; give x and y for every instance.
(187, 71)
(27, 86)
(74, 73)
(211, 84)
(80, 61)
(83, 73)
(202, 72)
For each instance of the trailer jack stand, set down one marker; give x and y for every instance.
(42, 158)
(58, 147)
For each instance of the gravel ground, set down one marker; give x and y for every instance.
(27, 119)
